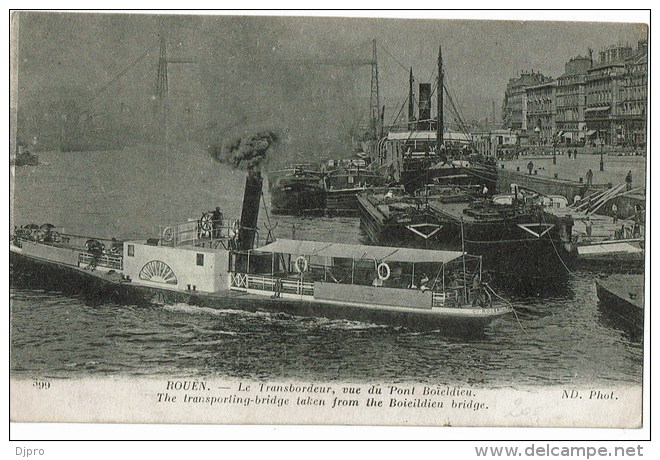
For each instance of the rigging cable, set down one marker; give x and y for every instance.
(123, 72)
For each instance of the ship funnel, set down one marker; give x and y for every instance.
(250, 213)
(425, 105)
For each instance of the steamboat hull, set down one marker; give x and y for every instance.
(100, 286)
(297, 198)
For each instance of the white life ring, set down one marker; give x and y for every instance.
(168, 234)
(383, 271)
(301, 264)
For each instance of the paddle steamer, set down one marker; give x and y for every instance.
(220, 264)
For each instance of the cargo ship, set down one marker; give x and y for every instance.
(215, 263)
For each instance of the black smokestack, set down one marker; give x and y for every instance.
(249, 153)
(250, 212)
(425, 105)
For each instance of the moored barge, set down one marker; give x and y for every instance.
(519, 242)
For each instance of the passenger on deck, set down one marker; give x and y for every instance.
(423, 283)
(477, 290)
(116, 246)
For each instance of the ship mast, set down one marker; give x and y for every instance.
(411, 102)
(375, 95)
(441, 83)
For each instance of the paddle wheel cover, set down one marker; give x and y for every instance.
(158, 271)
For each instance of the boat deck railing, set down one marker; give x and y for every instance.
(268, 283)
(54, 250)
(105, 260)
(449, 298)
(199, 232)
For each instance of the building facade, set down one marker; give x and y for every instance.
(605, 95)
(571, 101)
(514, 105)
(541, 110)
(634, 106)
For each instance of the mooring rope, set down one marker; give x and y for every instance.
(510, 305)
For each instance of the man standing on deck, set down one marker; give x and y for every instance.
(590, 178)
(216, 217)
(530, 166)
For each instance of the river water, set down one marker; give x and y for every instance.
(561, 336)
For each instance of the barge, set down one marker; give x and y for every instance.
(519, 242)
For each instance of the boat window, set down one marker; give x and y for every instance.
(200, 260)
(131, 250)
(351, 179)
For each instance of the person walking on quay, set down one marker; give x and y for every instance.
(629, 181)
(569, 153)
(590, 177)
(575, 154)
(530, 166)
(615, 217)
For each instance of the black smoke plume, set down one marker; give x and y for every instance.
(247, 152)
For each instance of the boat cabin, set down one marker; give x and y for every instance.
(188, 256)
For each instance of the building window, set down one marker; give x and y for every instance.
(200, 260)
(131, 250)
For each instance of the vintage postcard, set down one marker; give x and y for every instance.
(243, 219)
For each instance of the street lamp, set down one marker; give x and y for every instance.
(602, 164)
(554, 149)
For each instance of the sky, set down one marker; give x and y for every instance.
(275, 73)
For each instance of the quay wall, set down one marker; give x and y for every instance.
(627, 205)
(566, 188)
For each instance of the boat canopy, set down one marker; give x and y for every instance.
(360, 252)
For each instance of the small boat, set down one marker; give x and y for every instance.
(23, 157)
(622, 298)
